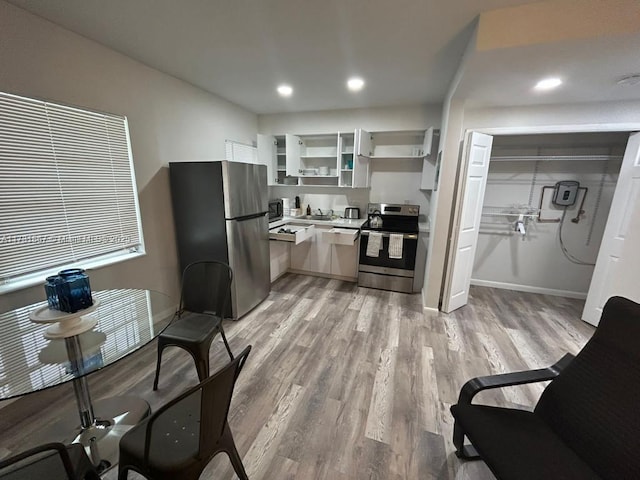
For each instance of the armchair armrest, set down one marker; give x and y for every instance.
(474, 386)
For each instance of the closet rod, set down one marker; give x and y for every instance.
(534, 158)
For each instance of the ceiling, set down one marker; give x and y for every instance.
(407, 51)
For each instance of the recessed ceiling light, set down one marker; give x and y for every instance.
(548, 84)
(355, 84)
(285, 90)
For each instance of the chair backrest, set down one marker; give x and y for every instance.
(212, 397)
(49, 461)
(206, 287)
(593, 404)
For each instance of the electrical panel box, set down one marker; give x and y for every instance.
(565, 193)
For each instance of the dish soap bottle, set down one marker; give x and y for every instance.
(309, 210)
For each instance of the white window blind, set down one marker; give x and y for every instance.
(240, 152)
(67, 189)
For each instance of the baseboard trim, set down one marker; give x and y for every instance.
(529, 289)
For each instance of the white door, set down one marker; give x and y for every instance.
(612, 257)
(268, 155)
(478, 153)
(293, 146)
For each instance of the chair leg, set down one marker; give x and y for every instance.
(224, 339)
(202, 365)
(155, 380)
(123, 473)
(468, 452)
(232, 452)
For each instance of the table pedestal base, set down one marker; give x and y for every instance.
(114, 417)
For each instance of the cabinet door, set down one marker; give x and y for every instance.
(361, 171)
(363, 143)
(293, 146)
(429, 162)
(268, 155)
(280, 258)
(321, 253)
(301, 255)
(344, 260)
(428, 141)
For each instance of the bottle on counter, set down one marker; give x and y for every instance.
(308, 209)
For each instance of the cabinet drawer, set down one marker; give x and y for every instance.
(341, 236)
(298, 233)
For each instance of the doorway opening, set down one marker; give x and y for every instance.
(620, 197)
(533, 239)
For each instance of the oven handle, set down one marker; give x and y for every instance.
(406, 236)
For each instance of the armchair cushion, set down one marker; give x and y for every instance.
(519, 444)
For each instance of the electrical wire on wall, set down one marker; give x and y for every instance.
(566, 253)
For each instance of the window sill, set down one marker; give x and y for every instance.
(39, 277)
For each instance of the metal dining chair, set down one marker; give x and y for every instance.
(181, 438)
(206, 288)
(53, 461)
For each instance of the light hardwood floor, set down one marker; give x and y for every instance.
(345, 382)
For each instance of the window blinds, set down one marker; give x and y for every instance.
(240, 152)
(67, 190)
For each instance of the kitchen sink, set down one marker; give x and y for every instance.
(319, 217)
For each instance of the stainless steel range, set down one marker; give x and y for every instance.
(388, 245)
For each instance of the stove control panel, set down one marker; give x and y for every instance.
(393, 209)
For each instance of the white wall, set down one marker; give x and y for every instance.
(392, 181)
(169, 120)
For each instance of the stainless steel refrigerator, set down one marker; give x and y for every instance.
(220, 212)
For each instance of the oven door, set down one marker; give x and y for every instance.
(407, 262)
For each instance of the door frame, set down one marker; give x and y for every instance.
(447, 273)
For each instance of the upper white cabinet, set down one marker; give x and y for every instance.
(314, 159)
(401, 144)
(271, 152)
(293, 148)
(430, 162)
(354, 169)
(342, 159)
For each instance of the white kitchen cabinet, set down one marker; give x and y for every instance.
(430, 162)
(344, 260)
(271, 152)
(354, 168)
(363, 145)
(280, 258)
(314, 159)
(322, 256)
(312, 256)
(401, 144)
(293, 147)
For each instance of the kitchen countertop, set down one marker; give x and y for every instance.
(337, 222)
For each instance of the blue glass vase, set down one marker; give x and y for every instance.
(74, 290)
(51, 289)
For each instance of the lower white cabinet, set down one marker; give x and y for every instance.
(280, 258)
(321, 256)
(314, 255)
(344, 260)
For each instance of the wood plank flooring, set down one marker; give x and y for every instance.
(344, 382)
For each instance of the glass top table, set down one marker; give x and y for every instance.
(125, 320)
